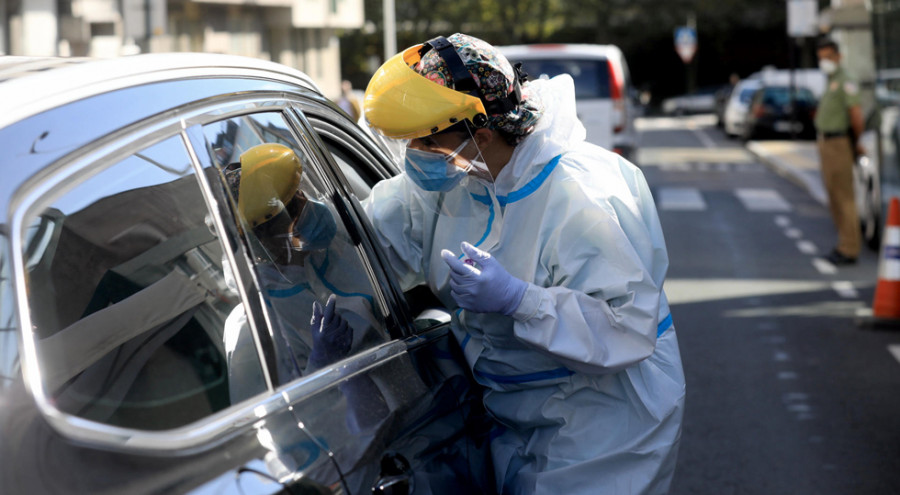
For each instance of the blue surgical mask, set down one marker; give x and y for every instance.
(434, 171)
(315, 226)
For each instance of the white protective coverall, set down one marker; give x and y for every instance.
(585, 377)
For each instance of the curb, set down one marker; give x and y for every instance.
(812, 182)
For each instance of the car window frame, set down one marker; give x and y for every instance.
(333, 126)
(185, 121)
(59, 178)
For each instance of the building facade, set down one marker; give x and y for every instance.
(297, 33)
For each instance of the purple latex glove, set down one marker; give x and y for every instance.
(331, 334)
(487, 289)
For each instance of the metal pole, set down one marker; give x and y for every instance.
(3, 48)
(692, 65)
(792, 102)
(390, 29)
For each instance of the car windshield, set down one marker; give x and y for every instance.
(591, 75)
(779, 96)
(747, 95)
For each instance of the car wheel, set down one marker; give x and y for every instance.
(871, 218)
(867, 187)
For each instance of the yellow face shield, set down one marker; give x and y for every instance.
(270, 176)
(401, 104)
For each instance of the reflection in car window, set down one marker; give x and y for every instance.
(128, 297)
(307, 266)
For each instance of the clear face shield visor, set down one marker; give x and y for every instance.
(444, 172)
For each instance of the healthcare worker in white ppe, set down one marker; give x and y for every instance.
(550, 252)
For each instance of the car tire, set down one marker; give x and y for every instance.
(870, 220)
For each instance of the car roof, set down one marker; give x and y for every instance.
(29, 85)
(557, 49)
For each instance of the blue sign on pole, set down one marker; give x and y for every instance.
(686, 43)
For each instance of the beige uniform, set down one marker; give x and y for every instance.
(836, 153)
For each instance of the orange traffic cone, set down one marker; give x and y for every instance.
(886, 305)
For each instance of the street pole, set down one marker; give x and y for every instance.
(692, 65)
(390, 29)
(791, 89)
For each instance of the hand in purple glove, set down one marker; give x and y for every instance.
(331, 335)
(490, 289)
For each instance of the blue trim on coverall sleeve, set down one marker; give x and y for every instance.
(664, 325)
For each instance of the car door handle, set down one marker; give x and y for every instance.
(398, 484)
(396, 476)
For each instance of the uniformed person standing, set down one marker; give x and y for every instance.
(838, 116)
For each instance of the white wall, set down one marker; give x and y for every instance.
(38, 28)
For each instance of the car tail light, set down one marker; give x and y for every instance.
(617, 94)
(759, 110)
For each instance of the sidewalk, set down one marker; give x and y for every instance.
(796, 160)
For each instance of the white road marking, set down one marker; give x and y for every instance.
(793, 233)
(704, 138)
(824, 267)
(807, 247)
(687, 291)
(681, 198)
(782, 221)
(675, 167)
(762, 200)
(894, 349)
(845, 289)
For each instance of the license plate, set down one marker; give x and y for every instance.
(785, 126)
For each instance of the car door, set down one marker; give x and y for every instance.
(395, 409)
(115, 254)
(442, 444)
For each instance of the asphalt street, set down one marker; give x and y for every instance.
(786, 394)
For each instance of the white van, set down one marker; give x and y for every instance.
(602, 87)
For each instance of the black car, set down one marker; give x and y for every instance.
(774, 113)
(145, 347)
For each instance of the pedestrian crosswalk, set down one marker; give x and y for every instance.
(692, 199)
(689, 166)
(680, 198)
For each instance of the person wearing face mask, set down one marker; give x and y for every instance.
(839, 122)
(549, 253)
(293, 250)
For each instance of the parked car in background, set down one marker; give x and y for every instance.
(877, 173)
(867, 187)
(774, 112)
(722, 96)
(153, 342)
(737, 106)
(603, 90)
(701, 101)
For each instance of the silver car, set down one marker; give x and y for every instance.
(153, 341)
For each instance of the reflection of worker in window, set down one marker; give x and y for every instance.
(322, 313)
(290, 240)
